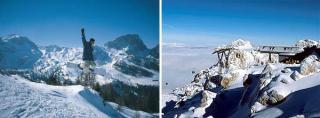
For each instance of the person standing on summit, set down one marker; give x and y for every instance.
(87, 76)
(87, 56)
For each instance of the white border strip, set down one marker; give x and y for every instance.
(160, 57)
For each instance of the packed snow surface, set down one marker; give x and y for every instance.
(22, 98)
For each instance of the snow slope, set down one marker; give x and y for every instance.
(303, 100)
(22, 98)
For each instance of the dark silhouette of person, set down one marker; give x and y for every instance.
(87, 56)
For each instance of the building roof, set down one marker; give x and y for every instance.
(281, 50)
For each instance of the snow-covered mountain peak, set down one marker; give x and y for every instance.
(17, 52)
(132, 42)
(11, 36)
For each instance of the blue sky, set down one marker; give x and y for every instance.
(58, 22)
(212, 22)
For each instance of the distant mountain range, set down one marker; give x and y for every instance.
(125, 57)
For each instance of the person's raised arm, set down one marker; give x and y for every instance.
(84, 41)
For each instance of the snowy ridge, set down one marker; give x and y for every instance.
(22, 98)
(55, 57)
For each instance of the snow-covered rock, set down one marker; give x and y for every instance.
(228, 79)
(266, 77)
(307, 43)
(286, 70)
(206, 96)
(272, 97)
(296, 75)
(275, 97)
(257, 107)
(241, 59)
(237, 44)
(309, 65)
(241, 54)
(300, 94)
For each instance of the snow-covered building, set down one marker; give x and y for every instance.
(282, 51)
(298, 57)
